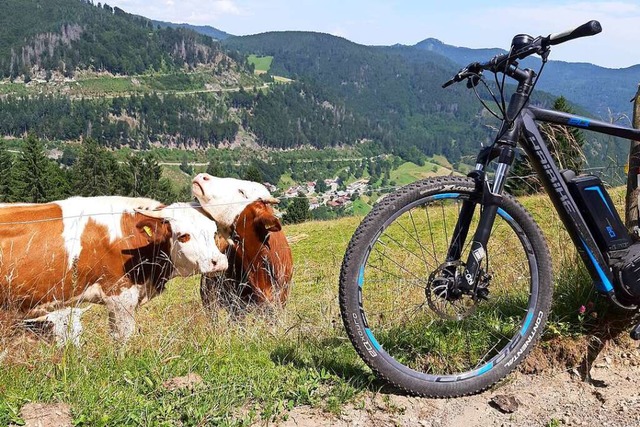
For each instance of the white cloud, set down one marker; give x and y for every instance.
(226, 7)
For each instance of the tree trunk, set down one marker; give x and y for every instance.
(631, 203)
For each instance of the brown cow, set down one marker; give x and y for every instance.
(260, 262)
(100, 250)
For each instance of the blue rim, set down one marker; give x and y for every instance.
(495, 359)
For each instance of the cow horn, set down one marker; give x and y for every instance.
(271, 200)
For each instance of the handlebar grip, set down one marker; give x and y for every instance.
(449, 83)
(591, 28)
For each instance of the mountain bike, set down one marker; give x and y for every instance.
(446, 284)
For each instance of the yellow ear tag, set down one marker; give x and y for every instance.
(147, 230)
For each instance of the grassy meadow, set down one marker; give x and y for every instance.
(262, 64)
(254, 369)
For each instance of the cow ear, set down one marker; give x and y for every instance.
(155, 231)
(268, 222)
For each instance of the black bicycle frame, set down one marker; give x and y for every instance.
(556, 187)
(534, 146)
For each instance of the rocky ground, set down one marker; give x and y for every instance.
(554, 397)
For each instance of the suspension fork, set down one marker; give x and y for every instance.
(465, 216)
(490, 200)
(461, 229)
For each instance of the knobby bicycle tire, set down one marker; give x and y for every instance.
(431, 348)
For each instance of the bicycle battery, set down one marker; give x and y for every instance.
(599, 212)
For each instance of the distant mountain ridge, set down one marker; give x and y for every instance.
(598, 89)
(206, 30)
(604, 92)
(398, 88)
(459, 55)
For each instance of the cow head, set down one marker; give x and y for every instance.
(192, 238)
(225, 198)
(259, 217)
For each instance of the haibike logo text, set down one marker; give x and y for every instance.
(363, 336)
(528, 341)
(555, 179)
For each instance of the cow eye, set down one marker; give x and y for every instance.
(243, 193)
(184, 238)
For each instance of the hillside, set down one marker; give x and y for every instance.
(74, 70)
(64, 35)
(397, 89)
(400, 98)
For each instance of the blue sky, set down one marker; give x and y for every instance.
(460, 23)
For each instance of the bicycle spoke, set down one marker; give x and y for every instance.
(392, 271)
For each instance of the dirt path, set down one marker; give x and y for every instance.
(553, 398)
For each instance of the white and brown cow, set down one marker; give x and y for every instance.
(260, 261)
(115, 251)
(225, 198)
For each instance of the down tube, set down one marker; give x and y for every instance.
(557, 189)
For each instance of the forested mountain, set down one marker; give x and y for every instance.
(597, 89)
(396, 90)
(341, 93)
(63, 35)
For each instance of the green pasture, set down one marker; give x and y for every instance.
(262, 64)
(409, 172)
(253, 369)
(8, 88)
(105, 85)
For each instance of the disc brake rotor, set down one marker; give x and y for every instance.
(442, 295)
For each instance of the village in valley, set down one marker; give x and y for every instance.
(332, 196)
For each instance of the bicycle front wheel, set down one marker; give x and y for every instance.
(395, 297)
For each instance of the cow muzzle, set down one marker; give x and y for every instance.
(218, 265)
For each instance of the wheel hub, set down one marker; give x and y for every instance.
(447, 299)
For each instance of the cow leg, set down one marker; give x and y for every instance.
(121, 310)
(66, 325)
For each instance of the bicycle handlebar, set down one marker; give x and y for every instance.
(591, 28)
(526, 46)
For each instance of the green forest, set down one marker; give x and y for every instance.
(32, 177)
(65, 35)
(198, 120)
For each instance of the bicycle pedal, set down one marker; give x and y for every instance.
(635, 332)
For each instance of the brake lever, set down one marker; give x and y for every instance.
(473, 80)
(472, 72)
